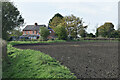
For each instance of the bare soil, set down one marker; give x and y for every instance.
(84, 59)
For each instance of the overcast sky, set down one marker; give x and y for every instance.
(93, 12)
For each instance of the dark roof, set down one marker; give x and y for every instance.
(33, 27)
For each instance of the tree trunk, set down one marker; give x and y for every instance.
(4, 50)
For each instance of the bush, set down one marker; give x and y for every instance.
(44, 32)
(61, 32)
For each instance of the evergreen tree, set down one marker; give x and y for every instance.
(11, 18)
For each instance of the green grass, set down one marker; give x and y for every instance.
(33, 64)
(99, 40)
(27, 42)
(82, 40)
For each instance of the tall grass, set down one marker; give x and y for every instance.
(30, 42)
(33, 64)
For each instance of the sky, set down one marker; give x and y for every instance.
(93, 12)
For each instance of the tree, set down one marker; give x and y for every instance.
(11, 19)
(90, 35)
(44, 32)
(73, 25)
(55, 21)
(96, 33)
(115, 34)
(61, 32)
(83, 33)
(105, 30)
(15, 33)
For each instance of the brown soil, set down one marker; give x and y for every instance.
(84, 59)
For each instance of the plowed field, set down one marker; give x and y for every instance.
(84, 59)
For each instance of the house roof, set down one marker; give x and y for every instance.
(33, 27)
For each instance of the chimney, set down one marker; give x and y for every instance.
(36, 24)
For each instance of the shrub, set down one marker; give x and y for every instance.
(44, 32)
(61, 32)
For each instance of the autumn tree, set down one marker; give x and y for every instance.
(55, 21)
(11, 18)
(74, 25)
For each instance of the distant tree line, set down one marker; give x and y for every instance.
(72, 27)
(65, 27)
(107, 30)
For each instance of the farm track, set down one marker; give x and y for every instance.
(84, 59)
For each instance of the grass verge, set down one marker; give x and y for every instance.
(95, 40)
(30, 42)
(33, 64)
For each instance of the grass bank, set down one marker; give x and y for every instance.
(82, 40)
(28, 42)
(33, 64)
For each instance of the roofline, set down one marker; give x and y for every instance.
(37, 25)
(35, 30)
